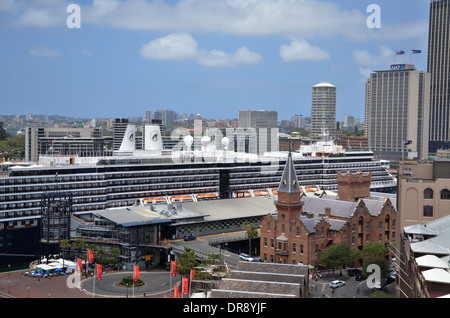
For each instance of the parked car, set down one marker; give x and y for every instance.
(377, 286)
(388, 280)
(246, 257)
(189, 237)
(353, 271)
(337, 283)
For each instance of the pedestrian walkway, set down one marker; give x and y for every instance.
(16, 285)
(319, 284)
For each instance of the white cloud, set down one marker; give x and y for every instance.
(365, 58)
(182, 46)
(44, 51)
(177, 46)
(301, 50)
(290, 18)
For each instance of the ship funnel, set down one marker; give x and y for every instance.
(128, 141)
(152, 138)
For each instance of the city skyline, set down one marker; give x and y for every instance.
(213, 58)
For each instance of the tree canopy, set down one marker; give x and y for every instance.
(335, 256)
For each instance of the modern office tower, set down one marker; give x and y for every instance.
(148, 116)
(323, 110)
(168, 117)
(262, 122)
(258, 118)
(439, 68)
(349, 121)
(366, 109)
(298, 121)
(398, 107)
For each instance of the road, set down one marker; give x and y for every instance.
(156, 283)
(201, 245)
(321, 288)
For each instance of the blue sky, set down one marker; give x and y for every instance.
(212, 57)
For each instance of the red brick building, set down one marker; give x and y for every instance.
(305, 225)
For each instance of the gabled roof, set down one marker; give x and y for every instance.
(437, 275)
(338, 208)
(428, 247)
(432, 261)
(289, 182)
(418, 229)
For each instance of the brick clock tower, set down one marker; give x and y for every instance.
(289, 208)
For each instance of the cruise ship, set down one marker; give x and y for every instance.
(135, 177)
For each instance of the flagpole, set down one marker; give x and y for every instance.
(95, 278)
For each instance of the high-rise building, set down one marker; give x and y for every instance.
(323, 109)
(349, 121)
(148, 116)
(439, 68)
(398, 103)
(366, 108)
(260, 127)
(168, 117)
(298, 121)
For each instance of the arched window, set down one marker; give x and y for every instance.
(445, 194)
(428, 193)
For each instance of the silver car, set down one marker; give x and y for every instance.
(337, 283)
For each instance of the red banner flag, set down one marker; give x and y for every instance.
(90, 256)
(176, 292)
(136, 273)
(79, 265)
(99, 271)
(173, 268)
(192, 274)
(185, 286)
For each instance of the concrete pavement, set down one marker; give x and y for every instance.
(15, 284)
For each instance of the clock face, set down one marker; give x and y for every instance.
(131, 136)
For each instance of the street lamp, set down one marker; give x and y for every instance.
(28, 291)
(9, 287)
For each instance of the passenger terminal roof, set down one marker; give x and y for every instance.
(132, 217)
(232, 208)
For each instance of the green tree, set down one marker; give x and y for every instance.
(335, 256)
(381, 262)
(186, 261)
(252, 233)
(3, 134)
(379, 294)
(64, 244)
(79, 245)
(374, 249)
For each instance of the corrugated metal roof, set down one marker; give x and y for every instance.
(437, 275)
(431, 261)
